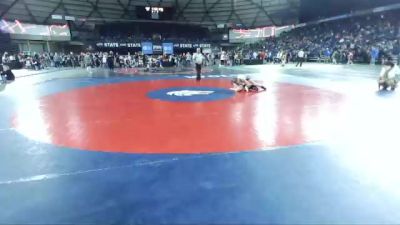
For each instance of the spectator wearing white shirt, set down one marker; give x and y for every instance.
(255, 54)
(188, 59)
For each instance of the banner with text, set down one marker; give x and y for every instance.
(167, 48)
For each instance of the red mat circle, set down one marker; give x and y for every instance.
(121, 118)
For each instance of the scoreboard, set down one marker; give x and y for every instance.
(240, 35)
(249, 35)
(155, 13)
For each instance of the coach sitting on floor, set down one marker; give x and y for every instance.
(6, 74)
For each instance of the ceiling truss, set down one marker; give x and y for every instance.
(247, 13)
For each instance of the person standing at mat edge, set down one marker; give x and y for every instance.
(198, 58)
(300, 57)
(110, 61)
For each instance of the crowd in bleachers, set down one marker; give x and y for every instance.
(45, 60)
(364, 39)
(153, 32)
(39, 61)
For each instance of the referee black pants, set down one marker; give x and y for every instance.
(300, 61)
(198, 70)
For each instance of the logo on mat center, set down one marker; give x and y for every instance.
(189, 93)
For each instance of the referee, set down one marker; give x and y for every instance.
(198, 58)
